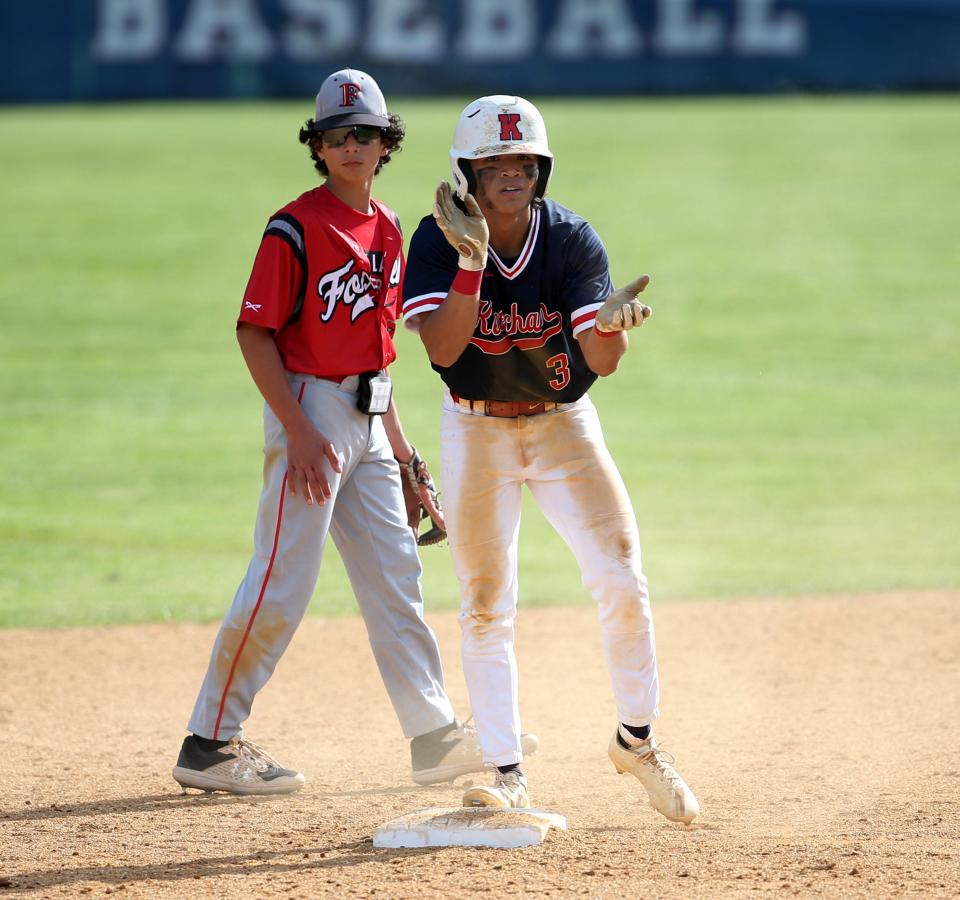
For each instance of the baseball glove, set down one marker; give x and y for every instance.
(421, 500)
(467, 232)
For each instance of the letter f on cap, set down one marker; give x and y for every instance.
(350, 92)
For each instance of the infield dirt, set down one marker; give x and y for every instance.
(821, 736)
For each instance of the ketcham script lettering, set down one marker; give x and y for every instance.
(495, 324)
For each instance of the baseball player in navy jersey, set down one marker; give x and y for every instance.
(316, 331)
(512, 298)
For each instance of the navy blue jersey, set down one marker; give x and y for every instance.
(524, 347)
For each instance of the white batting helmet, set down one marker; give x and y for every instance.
(494, 125)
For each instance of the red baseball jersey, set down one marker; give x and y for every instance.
(326, 281)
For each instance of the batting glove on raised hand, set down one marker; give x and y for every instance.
(622, 310)
(466, 232)
(421, 500)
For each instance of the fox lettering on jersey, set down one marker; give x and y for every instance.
(348, 286)
(506, 330)
(356, 289)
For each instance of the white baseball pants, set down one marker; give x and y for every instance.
(562, 458)
(367, 520)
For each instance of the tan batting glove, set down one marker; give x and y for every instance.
(467, 232)
(622, 310)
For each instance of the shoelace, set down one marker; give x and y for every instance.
(509, 780)
(256, 756)
(662, 760)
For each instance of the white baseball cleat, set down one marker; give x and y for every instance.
(669, 794)
(508, 791)
(240, 767)
(454, 753)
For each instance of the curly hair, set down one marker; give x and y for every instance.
(392, 138)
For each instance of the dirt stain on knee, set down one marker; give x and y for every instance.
(630, 616)
(481, 609)
(243, 656)
(616, 536)
(481, 622)
(481, 600)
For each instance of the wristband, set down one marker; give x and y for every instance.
(604, 333)
(467, 282)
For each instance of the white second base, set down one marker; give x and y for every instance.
(468, 827)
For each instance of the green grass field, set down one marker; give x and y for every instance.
(787, 423)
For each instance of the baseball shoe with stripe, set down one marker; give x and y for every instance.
(452, 751)
(508, 791)
(652, 766)
(240, 767)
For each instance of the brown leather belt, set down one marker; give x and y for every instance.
(503, 409)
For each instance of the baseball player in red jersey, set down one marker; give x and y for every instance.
(512, 297)
(316, 331)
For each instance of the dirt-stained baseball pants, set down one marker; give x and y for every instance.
(562, 458)
(366, 518)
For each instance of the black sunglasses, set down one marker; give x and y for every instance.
(362, 134)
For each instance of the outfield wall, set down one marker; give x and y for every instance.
(60, 50)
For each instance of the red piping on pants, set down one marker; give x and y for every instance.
(256, 609)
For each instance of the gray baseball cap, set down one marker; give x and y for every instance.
(350, 97)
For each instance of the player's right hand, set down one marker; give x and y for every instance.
(466, 232)
(622, 310)
(307, 449)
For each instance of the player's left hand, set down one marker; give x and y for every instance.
(622, 310)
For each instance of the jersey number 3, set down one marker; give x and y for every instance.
(561, 365)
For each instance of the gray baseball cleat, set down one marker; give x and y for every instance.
(508, 791)
(452, 751)
(651, 765)
(240, 767)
